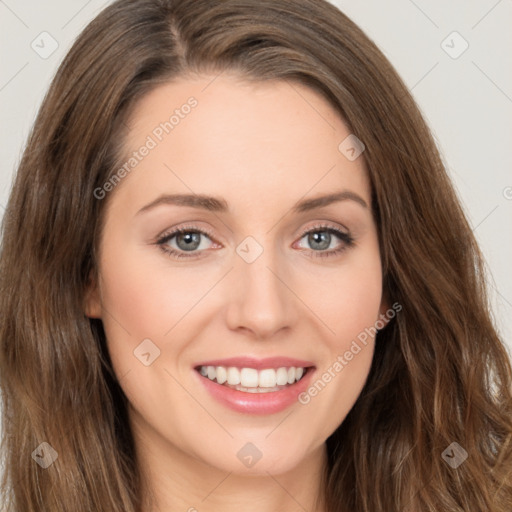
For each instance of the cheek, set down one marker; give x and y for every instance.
(144, 294)
(144, 298)
(348, 303)
(347, 298)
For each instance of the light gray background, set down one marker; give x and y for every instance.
(467, 100)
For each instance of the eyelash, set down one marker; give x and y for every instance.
(345, 237)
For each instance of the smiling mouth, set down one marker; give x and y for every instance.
(251, 380)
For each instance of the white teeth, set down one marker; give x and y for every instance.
(252, 380)
(233, 376)
(267, 378)
(221, 374)
(249, 377)
(282, 376)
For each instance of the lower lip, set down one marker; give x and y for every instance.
(257, 403)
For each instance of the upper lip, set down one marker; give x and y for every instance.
(258, 364)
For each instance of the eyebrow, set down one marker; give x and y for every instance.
(218, 204)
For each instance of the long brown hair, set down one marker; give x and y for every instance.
(440, 373)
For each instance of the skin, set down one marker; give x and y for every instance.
(262, 147)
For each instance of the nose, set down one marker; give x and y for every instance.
(261, 300)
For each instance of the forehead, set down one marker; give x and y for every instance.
(224, 136)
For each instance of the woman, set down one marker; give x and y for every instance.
(174, 338)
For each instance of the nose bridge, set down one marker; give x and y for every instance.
(261, 301)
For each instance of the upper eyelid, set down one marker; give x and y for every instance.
(170, 234)
(326, 226)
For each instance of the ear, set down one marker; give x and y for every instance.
(92, 299)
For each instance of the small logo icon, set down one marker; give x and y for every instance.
(454, 45)
(44, 45)
(249, 454)
(249, 249)
(454, 455)
(146, 352)
(351, 147)
(44, 455)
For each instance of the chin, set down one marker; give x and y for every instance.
(248, 458)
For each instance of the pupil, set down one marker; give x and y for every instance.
(322, 238)
(192, 241)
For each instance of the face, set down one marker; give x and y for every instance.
(263, 278)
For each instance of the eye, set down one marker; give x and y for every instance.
(321, 237)
(187, 239)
